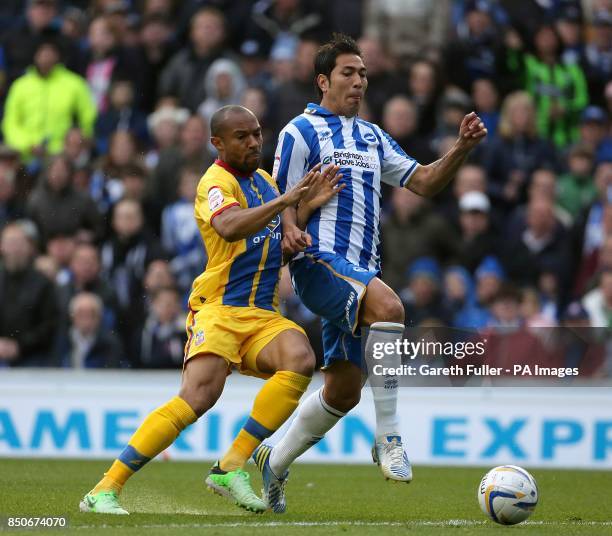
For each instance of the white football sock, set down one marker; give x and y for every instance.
(314, 418)
(384, 390)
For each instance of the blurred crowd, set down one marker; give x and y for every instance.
(105, 107)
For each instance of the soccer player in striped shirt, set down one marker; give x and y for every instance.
(337, 275)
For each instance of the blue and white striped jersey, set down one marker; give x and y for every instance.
(349, 224)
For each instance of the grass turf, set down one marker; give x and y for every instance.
(169, 498)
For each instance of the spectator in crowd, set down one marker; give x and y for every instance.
(598, 54)
(183, 77)
(164, 127)
(180, 235)
(400, 121)
(256, 100)
(383, 82)
(410, 29)
(422, 298)
(517, 152)
(459, 291)
(559, 90)
(589, 231)
(470, 177)
(34, 128)
(56, 207)
(125, 257)
(413, 230)
(489, 278)
(78, 151)
(280, 23)
(120, 114)
(154, 51)
(106, 186)
(28, 314)
(485, 97)
(477, 240)
(106, 61)
(11, 206)
(224, 84)
(424, 90)
(25, 35)
(87, 343)
(192, 151)
(594, 132)
(478, 53)
(543, 240)
(59, 248)
(569, 27)
(84, 275)
(576, 189)
(161, 341)
(291, 95)
(598, 302)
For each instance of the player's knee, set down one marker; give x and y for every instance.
(343, 398)
(391, 310)
(198, 397)
(300, 360)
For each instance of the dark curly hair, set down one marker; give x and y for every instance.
(325, 60)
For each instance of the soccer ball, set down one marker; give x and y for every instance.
(508, 494)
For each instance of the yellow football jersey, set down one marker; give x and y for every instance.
(246, 272)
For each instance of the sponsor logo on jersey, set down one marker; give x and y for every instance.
(215, 198)
(348, 158)
(325, 135)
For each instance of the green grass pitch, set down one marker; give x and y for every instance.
(168, 498)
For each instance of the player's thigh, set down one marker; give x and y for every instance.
(203, 381)
(380, 304)
(343, 381)
(288, 350)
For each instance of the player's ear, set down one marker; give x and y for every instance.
(323, 83)
(217, 143)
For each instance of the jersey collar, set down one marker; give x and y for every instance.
(230, 169)
(317, 109)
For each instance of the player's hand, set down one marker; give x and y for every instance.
(292, 196)
(325, 186)
(471, 131)
(294, 241)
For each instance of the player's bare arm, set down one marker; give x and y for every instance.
(238, 223)
(431, 179)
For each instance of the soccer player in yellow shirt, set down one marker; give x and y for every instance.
(233, 319)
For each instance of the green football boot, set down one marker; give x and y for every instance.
(236, 486)
(103, 502)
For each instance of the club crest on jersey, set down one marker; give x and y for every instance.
(273, 225)
(215, 198)
(370, 137)
(199, 337)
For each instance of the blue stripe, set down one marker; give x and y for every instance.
(407, 174)
(368, 232)
(335, 125)
(359, 141)
(132, 458)
(264, 296)
(257, 430)
(243, 270)
(344, 214)
(314, 157)
(287, 149)
(394, 145)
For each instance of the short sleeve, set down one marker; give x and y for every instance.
(290, 159)
(397, 166)
(214, 196)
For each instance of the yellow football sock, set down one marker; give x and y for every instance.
(156, 433)
(273, 405)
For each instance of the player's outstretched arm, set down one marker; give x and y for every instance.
(238, 223)
(431, 179)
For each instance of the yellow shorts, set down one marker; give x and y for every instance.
(236, 334)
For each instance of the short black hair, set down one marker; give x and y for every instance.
(325, 60)
(217, 121)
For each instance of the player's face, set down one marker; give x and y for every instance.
(347, 85)
(241, 142)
